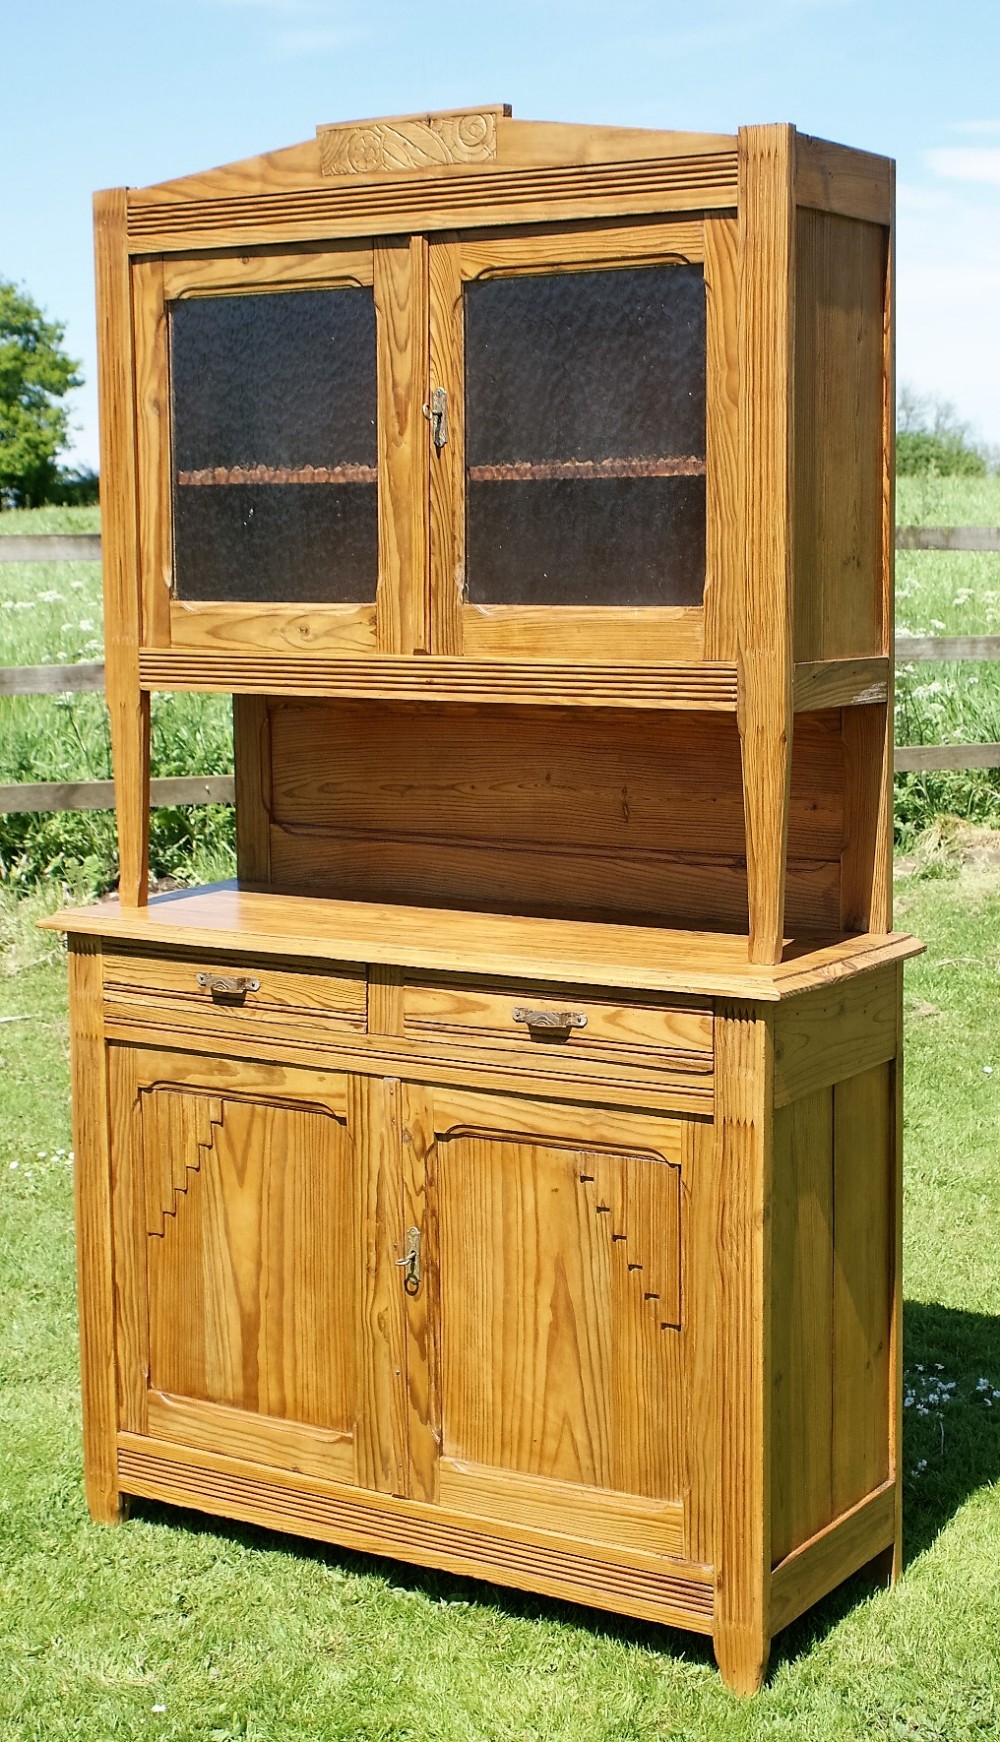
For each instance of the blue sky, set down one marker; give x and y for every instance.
(99, 93)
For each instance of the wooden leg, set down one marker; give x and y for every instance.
(883, 1568)
(767, 760)
(742, 1654)
(130, 729)
(92, 1182)
(106, 1505)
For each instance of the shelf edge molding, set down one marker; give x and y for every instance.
(704, 686)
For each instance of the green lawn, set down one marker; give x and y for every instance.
(179, 1627)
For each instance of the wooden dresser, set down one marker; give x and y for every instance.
(504, 1173)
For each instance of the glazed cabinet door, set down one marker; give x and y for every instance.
(237, 1258)
(281, 450)
(585, 395)
(559, 1323)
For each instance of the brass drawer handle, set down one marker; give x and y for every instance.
(560, 1021)
(234, 986)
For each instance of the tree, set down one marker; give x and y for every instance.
(35, 375)
(931, 438)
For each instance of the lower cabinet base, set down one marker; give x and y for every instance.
(625, 1582)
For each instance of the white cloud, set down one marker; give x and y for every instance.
(966, 162)
(974, 127)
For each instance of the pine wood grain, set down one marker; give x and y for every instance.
(697, 687)
(524, 142)
(224, 917)
(406, 205)
(559, 812)
(402, 343)
(559, 1293)
(741, 1631)
(829, 1035)
(840, 292)
(767, 445)
(571, 1508)
(836, 1551)
(864, 1271)
(835, 178)
(128, 706)
(252, 781)
(381, 1437)
(802, 1321)
(231, 270)
(244, 1301)
(153, 466)
(485, 1011)
(447, 464)
(665, 633)
(94, 1237)
(337, 631)
(724, 581)
(263, 1439)
(674, 1593)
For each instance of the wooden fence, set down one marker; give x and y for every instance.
(48, 680)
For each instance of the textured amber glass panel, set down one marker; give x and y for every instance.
(274, 456)
(585, 445)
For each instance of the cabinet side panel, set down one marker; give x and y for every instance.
(802, 1320)
(839, 364)
(833, 1232)
(862, 1283)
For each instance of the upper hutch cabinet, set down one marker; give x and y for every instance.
(458, 409)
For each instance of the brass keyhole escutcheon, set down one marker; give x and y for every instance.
(410, 1262)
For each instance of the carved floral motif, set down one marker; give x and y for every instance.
(402, 145)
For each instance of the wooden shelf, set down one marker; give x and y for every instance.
(226, 916)
(631, 466)
(702, 686)
(348, 473)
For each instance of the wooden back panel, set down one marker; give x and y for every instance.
(529, 810)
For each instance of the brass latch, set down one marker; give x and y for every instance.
(437, 412)
(410, 1261)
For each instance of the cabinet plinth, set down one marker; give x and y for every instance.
(504, 1172)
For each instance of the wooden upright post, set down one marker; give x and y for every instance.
(744, 1121)
(767, 352)
(128, 705)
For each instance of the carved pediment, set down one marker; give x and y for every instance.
(409, 142)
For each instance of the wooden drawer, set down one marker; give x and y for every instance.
(573, 1021)
(213, 992)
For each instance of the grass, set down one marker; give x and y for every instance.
(51, 613)
(189, 1629)
(194, 1630)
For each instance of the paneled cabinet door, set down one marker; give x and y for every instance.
(560, 1324)
(237, 1258)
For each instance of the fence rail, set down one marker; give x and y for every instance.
(49, 680)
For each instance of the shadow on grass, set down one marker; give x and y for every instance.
(958, 1443)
